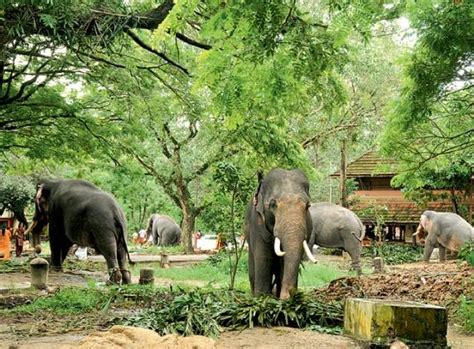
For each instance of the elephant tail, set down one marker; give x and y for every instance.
(121, 237)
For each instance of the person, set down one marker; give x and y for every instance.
(141, 236)
(5, 242)
(19, 236)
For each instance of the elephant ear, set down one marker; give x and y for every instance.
(258, 201)
(42, 193)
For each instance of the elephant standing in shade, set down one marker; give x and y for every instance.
(337, 227)
(164, 230)
(277, 226)
(447, 229)
(80, 213)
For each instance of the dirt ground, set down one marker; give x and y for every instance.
(433, 283)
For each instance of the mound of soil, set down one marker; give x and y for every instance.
(140, 338)
(434, 283)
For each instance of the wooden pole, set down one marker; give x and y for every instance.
(342, 183)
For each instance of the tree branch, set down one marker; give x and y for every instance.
(143, 45)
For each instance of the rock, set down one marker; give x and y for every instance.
(380, 322)
(140, 338)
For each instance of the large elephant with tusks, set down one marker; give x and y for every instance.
(277, 227)
(447, 229)
(80, 213)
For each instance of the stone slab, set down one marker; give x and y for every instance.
(381, 321)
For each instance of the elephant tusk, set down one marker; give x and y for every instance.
(30, 228)
(308, 252)
(277, 247)
(355, 235)
(415, 234)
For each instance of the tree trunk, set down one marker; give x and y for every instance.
(342, 183)
(187, 229)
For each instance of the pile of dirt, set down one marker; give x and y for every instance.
(140, 338)
(436, 283)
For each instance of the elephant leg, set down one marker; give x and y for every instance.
(428, 249)
(56, 254)
(355, 256)
(264, 262)
(251, 272)
(108, 248)
(65, 246)
(122, 261)
(442, 253)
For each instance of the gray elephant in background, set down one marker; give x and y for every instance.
(337, 227)
(164, 230)
(447, 229)
(80, 213)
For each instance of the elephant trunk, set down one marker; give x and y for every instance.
(290, 228)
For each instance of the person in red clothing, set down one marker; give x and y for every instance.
(19, 236)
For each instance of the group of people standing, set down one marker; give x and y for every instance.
(6, 236)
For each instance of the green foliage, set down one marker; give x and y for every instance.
(68, 300)
(16, 193)
(430, 127)
(204, 312)
(465, 314)
(467, 253)
(13, 266)
(395, 253)
(187, 313)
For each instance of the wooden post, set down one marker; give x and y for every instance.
(378, 265)
(164, 262)
(342, 183)
(146, 276)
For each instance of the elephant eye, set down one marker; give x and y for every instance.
(273, 204)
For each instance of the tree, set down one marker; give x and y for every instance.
(16, 194)
(213, 81)
(430, 128)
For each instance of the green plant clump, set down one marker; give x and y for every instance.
(68, 300)
(395, 253)
(465, 314)
(467, 253)
(204, 312)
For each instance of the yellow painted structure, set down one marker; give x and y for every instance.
(381, 321)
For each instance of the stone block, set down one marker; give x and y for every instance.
(380, 322)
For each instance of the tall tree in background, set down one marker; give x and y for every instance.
(175, 88)
(431, 127)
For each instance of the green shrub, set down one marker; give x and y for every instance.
(394, 253)
(467, 253)
(203, 312)
(465, 314)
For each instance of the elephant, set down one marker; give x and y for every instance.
(337, 227)
(164, 230)
(277, 226)
(80, 213)
(447, 229)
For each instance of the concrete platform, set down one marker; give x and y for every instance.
(379, 322)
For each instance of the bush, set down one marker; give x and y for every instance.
(467, 253)
(203, 312)
(465, 314)
(395, 253)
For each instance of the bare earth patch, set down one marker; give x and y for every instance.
(435, 283)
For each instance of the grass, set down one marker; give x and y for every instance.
(215, 273)
(66, 301)
(154, 250)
